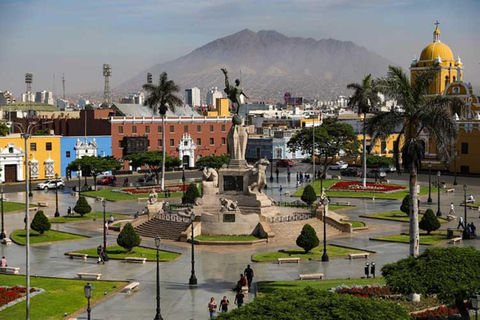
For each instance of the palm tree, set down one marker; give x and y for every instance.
(420, 113)
(364, 98)
(162, 97)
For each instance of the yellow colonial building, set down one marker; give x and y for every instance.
(449, 81)
(43, 157)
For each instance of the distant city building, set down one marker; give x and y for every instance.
(63, 104)
(192, 97)
(212, 95)
(42, 97)
(135, 98)
(28, 97)
(6, 97)
(82, 103)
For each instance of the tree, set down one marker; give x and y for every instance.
(309, 196)
(330, 138)
(365, 98)
(92, 166)
(215, 162)
(379, 161)
(128, 238)
(311, 303)
(421, 113)
(191, 194)
(450, 273)
(4, 129)
(154, 161)
(162, 96)
(42, 132)
(405, 206)
(40, 222)
(82, 207)
(429, 222)
(307, 240)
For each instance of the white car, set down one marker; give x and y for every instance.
(51, 184)
(340, 165)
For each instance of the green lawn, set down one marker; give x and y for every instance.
(88, 216)
(355, 224)
(109, 195)
(433, 238)
(19, 236)
(60, 296)
(14, 206)
(395, 216)
(316, 253)
(227, 238)
(397, 195)
(117, 252)
(271, 286)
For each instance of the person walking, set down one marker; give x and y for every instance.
(460, 222)
(224, 305)
(249, 274)
(280, 189)
(239, 299)
(4, 262)
(452, 209)
(212, 307)
(277, 172)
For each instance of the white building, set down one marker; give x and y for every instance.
(63, 104)
(136, 98)
(28, 97)
(192, 97)
(212, 96)
(6, 97)
(44, 97)
(82, 103)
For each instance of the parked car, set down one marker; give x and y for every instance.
(389, 169)
(51, 184)
(285, 163)
(106, 180)
(340, 165)
(380, 174)
(350, 172)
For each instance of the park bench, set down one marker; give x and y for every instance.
(9, 270)
(310, 276)
(358, 255)
(93, 276)
(6, 241)
(335, 177)
(42, 204)
(78, 255)
(135, 259)
(343, 203)
(101, 199)
(450, 191)
(455, 240)
(280, 260)
(131, 286)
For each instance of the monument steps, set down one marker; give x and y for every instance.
(170, 230)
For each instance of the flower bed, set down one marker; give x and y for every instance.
(371, 187)
(148, 190)
(441, 312)
(366, 291)
(13, 295)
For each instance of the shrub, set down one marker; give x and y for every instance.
(405, 206)
(40, 222)
(128, 238)
(191, 194)
(82, 207)
(307, 240)
(429, 222)
(309, 196)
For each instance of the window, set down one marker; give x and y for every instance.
(212, 141)
(33, 146)
(172, 143)
(223, 128)
(159, 129)
(159, 143)
(199, 128)
(147, 129)
(199, 141)
(148, 143)
(134, 129)
(185, 128)
(223, 140)
(278, 153)
(120, 129)
(464, 148)
(172, 129)
(67, 154)
(383, 146)
(258, 152)
(211, 128)
(48, 146)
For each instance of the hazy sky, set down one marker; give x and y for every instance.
(50, 37)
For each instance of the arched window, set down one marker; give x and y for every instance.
(447, 80)
(424, 148)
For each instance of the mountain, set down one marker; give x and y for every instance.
(271, 64)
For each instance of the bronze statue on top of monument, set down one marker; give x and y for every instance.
(233, 93)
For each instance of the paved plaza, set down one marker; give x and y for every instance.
(217, 267)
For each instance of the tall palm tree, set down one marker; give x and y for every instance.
(420, 113)
(162, 97)
(365, 98)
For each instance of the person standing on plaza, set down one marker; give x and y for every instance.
(452, 209)
(212, 307)
(460, 222)
(280, 189)
(249, 274)
(224, 305)
(277, 173)
(239, 299)
(4, 262)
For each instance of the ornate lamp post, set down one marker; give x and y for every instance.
(2, 235)
(439, 213)
(57, 214)
(465, 229)
(88, 294)
(475, 301)
(104, 204)
(158, 316)
(30, 193)
(183, 180)
(324, 202)
(79, 181)
(193, 278)
(429, 200)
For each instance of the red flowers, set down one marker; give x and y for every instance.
(441, 312)
(366, 292)
(147, 190)
(9, 294)
(371, 187)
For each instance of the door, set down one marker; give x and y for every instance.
(10, 173)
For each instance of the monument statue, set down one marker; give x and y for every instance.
(210, 175)
(233, 91)
(261, 177)
(228, 204)
(153, 197)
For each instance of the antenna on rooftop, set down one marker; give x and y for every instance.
(107, 95)
(29, 80)
(63, 84)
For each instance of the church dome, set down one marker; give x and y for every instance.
(435, 50)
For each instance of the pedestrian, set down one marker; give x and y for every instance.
(249, 274)
(280, 189)
(460, 222)
(288, 172)
(125, 182)
(277, 172)
(69, 211)
(239, 299)
(100, 254)
(224, 305)
(111, 219)
(4, 262)
(452, 209)
(298, 177)
(212, 307)
(474, 230)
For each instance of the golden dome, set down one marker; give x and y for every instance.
(437, 49)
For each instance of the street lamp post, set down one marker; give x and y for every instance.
(183, 181)
(193, 278)
(79, 181)
(88, 294)
(30, 193)
(439, 213)
(158, 316)
(465, 229)
(475, 301)
(57, 214)
(455, 169)
(105, 257)
(429, 200)
(324, 202)
(271, 169)
(2, 235)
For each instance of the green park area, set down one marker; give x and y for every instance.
(355, 224)
(119, 253)
(115, 194)
(86, 217)
(395, 216)
(315, 254)
(14, 206)
(19, 236)
(433, 238)
(61, 296)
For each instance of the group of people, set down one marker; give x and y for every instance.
(101, 255)
(303, 177)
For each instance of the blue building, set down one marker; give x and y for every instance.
(72, 148)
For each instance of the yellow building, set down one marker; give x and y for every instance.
(43, 156)
(222, 106)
